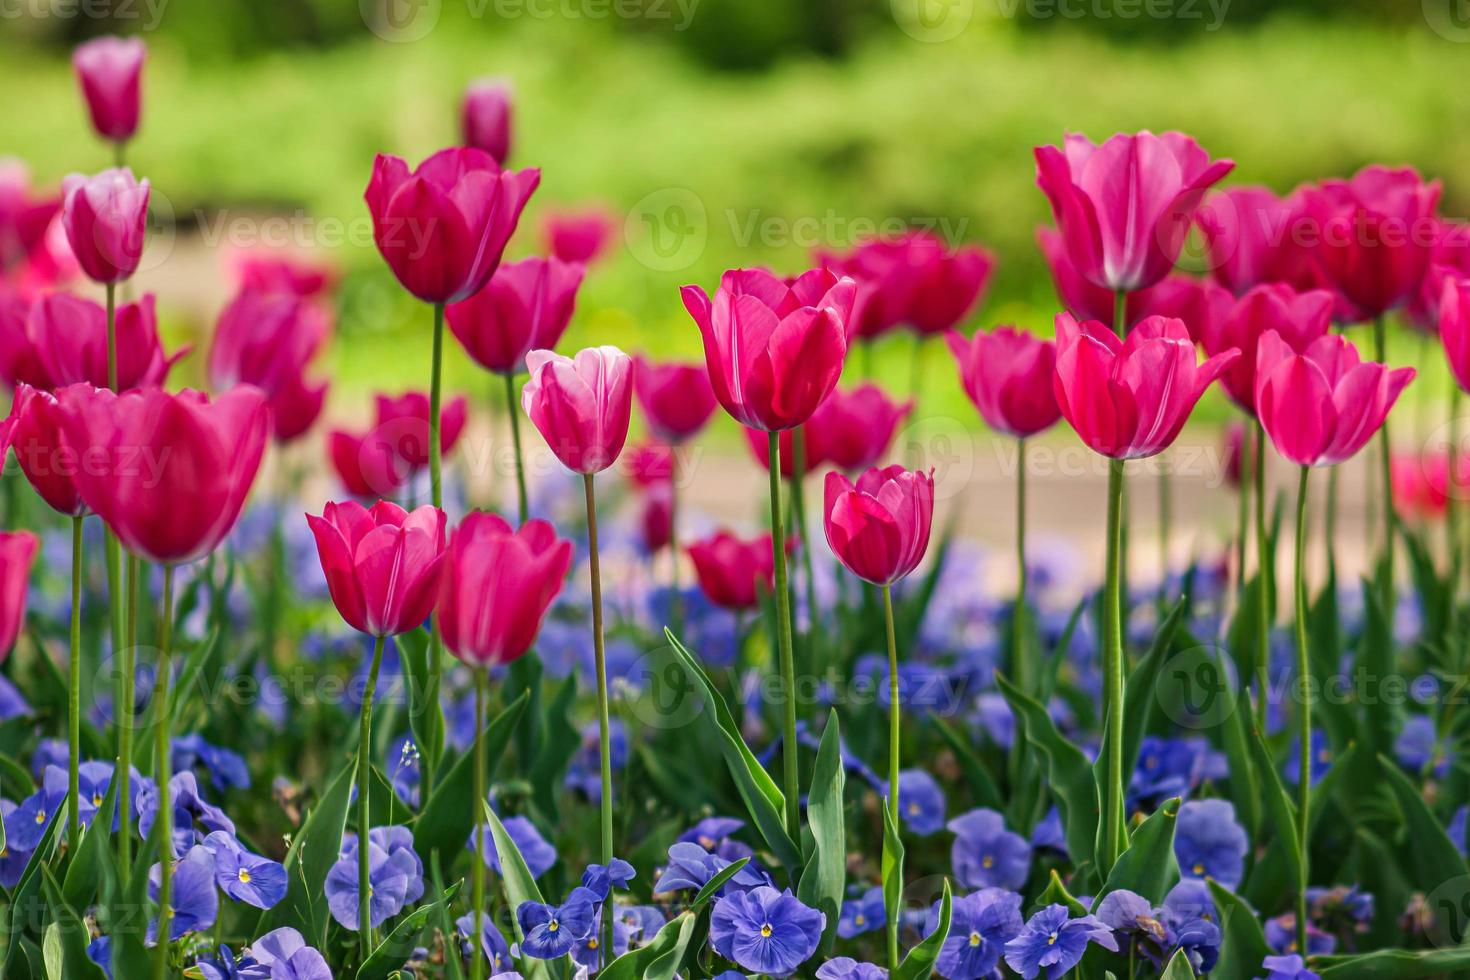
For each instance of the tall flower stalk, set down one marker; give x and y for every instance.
(1304, 705)
(604, 725)
(364, 814)
(74, 692)
(791, 781)
(163, 769)
(523, 500)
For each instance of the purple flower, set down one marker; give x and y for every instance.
(194, 903)
(389, 876)
(304, 964)
(397, 841)
(226, 768)
(1049, 834)
(1321, 759)
(847, 968)
(99, 951)
(922, 801)
(1209, 843)
(535, 851)
(194, 817)
(1055, 943)
(27, 823)
(980, 926)
(1340, 908)
(1287, 968)
(765, 931)
(985, 854)
(585, 771)
(552, 931)
(225, 966)
(1281, 936)
(644, 920)
(1130, 915)
(13, 859)
(283, 949)
(1456, 829)
(587, 952)
(601, 879)
(492, 944)
(1199, 938)
(691, 866)
(715, 834)
(1418, 746)
(243, 876)
(1170, 767)
(862, 914)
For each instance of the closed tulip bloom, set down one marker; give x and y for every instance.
(578, 236)
(485, 118)
(581, 405)
(853, 429)
(1454, 327)
(1298, 318)
(106, 219)
(526, 304)
(1421, 484)
(879, 527)
(169, 473)
(110, 71)
(656, 518)
(20, 362)
(266, 271)
(50, 465)
(1376, 233)
(295, 407)
(649, 464)
(733, 572)
(17, 552)
(1007, 374)
(888, 273)
(26, 218)
(367, 465)
(1251, 236)
(442, 228)
(266, 339)
(1200, 303)
(949, 287)
(676, 398)
(1128, 399)
(1322, 405)
(497, 585)
(774, 351)
(70, 338)
(403, 423)
(382, 563)
(1450, 259)
(1125, 207)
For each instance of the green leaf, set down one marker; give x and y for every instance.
(716, 882)
(395, 950)
(665, 965)
(93, 861)
(1244, 785)
(983, 791)
(919, 962)
(519, 886)
(1393, 964)
(1178, 968)
(1280, 811)
(314, 849)
(69, 934)
(1378, 721)
(1243, 944)
(890, 866)
(1139, 697)
(763, 799)
(195, 661)
(654, 959)
(1148, 866)
(558, 744)
(1267, 885)
(425, 717)
(1056, 894)
(25, 889)
(824, 879)
(1432, 858)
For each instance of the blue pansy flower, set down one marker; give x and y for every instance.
(1052, 941)
(194, 904)
(1131, 916)
(1170, 767)
(921, 801)
(1281, 936)
(1286, 968)
(981, 924)
(304, 964)
(1418, 746)
(1456, 828)
(397, 841)
(552, 931)
(243, 876)
(644, 920)
(194, 817)
(1049, 834)
(585, 771)
(280, 949)
(13, 859)
(224, 965)
(601, 879)
(535, 851)
(1321, 759)
(27, 824)
(492, 944)
(987, 855)
(1199, 939)
(847, 968)
(862, 914)
(389, 877)
(226, 768)
(1210, 843)
(765, 931)
(99, 951)
(1340, 908)
(587, 951)
(12, 704)
(691, 866)
(49, 752)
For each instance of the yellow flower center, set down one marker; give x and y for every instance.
(987, 862)
(1199, 869)
(766, 930)
(244, 876)
(96, 799)
(552, 926)
(974, 939)
(915, 809)
(859, 919)
(592, 943)
(40, 817)
(1051, 940)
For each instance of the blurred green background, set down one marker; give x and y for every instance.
(786, 123)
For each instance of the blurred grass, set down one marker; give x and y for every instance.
(901, 129)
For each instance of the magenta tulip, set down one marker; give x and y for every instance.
(382, 564)
(169, 473)
(403, 423)
(676, 398)
(852, 429)
(485, 118)
(656, 518)
(879, 527)
(1297, 318)
(1232, 447)
(497, 585)
(442, 228)
(267, 271)
(1454, 328)
(17, 553)
(886, 272)
(295, 408)
(1450, 259)
(733, 572)
(70, 338)
(26, 219)
(1007, 374)
(1322, 405)
(578, 236)
(526, 304)
(948, 288)
(106, 219)
(581, 405)
(1125, 207)
(50, 465)
(1128, 399)
(1254, 237)
(110, 71)
(20, 362)
(774, 351)
(368, 466)
(266, 339)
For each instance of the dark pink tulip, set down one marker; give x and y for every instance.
(168, 473)
(879, 528)
(526, 304)
(1454, 328)
(295, 407)
(25, 219)
(1450, 259)
(676, 397)
(852, 429)
(1007, 374)
(1234, 451)
(367, 465)
(266, 271)
(1127, 399)
(266, 339)
(50, 465)
(442, 228)
(1376, 231)
(106, 219)
(1298, 318)
(1125, 207)
(890, 272)
(110, 71)
(1200, 303)
(760, 448)
(1322, 405)
(948, 288)
(1252, 237)
(733, 572)
(581, 405)
(382, 564)
(403, 423)
(20, 363)
(774, 351)
(70, 338)
(497, 585)
(485, 118)
(649, 464)
(1421, 484)
(656, 519)
(17, 553)
(578, 236)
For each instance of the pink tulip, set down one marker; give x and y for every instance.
(1233, 448)
(485, 118)
(1007, 374)
(442, 228)
(267, 271)
(733, 572)
(649, 464)
(774, 351)
(1421, 484)
(1450, 259)
(1298, 318)
(1127, 399)
(1125, 207)
(852, 429)
(887, 272)
(1253, 237)
(403, 423)
(25, 219)
(40, 447)
(879, 528)
(20, 362)
(106, 219)
(676, 397)
(1201, 304)
(1376, 232)
(656, 518)
(949, 286)
(581, 405)
(497, 586)
(265, 339)
(168, 473)
(17, 553)
(578, 236)
(295, 407)
(110, 71)
(70, 338)
(526, 304)
(368, 466)
(1322, 405)
(1454, 328)
(382, 564)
